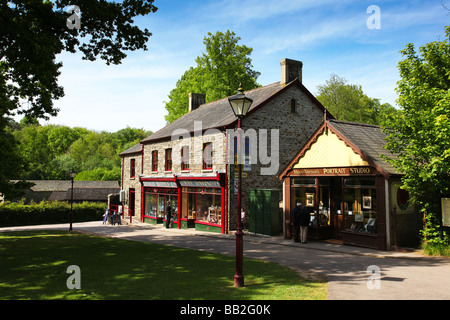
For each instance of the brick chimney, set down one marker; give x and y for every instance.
(290, 69)
(196, 100)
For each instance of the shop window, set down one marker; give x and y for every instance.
(132, 168)
(359, 182)
(155, 204)
(168, 160)
(185, 158)
(202, 204)
(360, 210)
(304, 182)
(154, 160)
(207, 156)
(151, 205)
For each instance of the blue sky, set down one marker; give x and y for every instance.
(327, 36)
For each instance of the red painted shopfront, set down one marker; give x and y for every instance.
(198, 201)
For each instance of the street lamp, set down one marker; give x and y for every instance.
(240, 104)
(72, 176)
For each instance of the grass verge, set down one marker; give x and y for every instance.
(34, 266)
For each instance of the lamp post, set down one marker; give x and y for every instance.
(240, 104)
(72, 176)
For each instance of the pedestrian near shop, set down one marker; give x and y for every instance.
(168, 214)
(305, 218)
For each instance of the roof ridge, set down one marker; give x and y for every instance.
(355, 123)
(248, 91)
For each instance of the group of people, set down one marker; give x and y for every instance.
(111, 218)
(301, 219)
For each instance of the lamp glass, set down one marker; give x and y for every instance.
(73, 174)
(240, 104)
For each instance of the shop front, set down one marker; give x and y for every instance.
(341, 178)
(343, 206)
(197, 201)
(156, 194)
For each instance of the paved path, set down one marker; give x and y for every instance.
(403, 276)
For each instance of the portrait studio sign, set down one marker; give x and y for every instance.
(333, 171)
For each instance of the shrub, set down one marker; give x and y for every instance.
(48, 212)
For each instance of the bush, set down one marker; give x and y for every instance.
(48, 212)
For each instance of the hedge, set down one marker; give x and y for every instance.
(48, 212)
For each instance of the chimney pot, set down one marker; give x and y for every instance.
(196, 100)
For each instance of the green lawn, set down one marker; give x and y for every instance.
(33, 265)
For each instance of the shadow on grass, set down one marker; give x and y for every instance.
(34, 266)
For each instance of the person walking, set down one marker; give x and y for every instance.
(168, 214)
(296, 221)
(105, 216)
(305, 218)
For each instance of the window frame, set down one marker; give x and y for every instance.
(207, 163)
(155, 161)
(132, 168)
(185, 158)
(168, 159)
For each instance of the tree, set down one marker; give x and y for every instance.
(348, 102)
(32, 33)
(420, 134)
(218, 73)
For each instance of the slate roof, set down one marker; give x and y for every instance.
(90, 194)
(369, 139)
(61, 190)
(137, 148)
(63, 185)
(218, 114)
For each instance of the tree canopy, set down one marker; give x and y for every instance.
(50, 152)
(32, 34)
(217, 74)
(348, 102)
(420, 133)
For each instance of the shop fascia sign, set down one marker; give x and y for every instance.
(333, 171)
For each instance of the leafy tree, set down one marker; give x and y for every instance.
(218, 73)
(420, 134)
(52, 151)
(348, 102)
(32, 33)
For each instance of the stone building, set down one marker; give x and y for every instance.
(191, 162)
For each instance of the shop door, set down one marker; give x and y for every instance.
(132, 202)
(336, 210)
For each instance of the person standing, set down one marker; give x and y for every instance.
(305, 218)
(168, 214)
(296, 221)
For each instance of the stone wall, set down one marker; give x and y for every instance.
(294, 129)
(132, 183)
(195, 143)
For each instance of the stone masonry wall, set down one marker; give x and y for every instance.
(294, 129)
(130, 183)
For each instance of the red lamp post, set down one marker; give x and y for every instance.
(72, 176)
(240, 105)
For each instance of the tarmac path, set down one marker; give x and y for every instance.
(401, 276)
